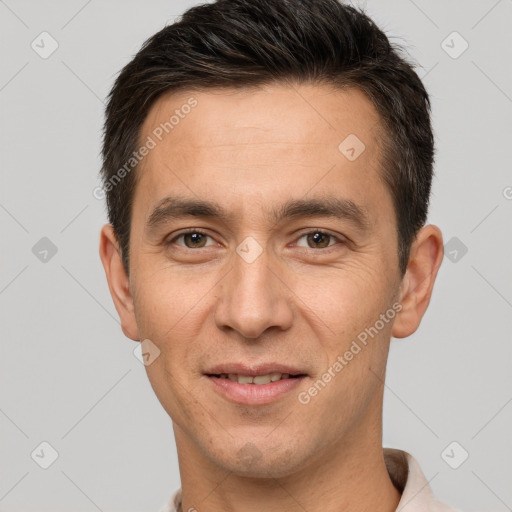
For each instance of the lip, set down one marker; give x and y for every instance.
(254, 370)
(254, 394)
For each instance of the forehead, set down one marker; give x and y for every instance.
(292, 113)
(262, 143)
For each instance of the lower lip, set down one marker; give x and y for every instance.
(254, 394)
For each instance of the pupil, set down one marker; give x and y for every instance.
(320, 238)
(195, 238)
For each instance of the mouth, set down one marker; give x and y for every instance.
(258, 380)
(249, 386)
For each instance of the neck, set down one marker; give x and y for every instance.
(347, 477)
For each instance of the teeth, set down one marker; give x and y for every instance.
(260, 379)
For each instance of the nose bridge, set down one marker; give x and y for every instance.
(251, 300)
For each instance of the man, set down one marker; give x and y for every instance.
(268, 166)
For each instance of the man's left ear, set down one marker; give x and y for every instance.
(425, 258)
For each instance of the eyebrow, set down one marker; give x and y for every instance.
(176, 207)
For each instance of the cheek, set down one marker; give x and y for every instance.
(165, 297)
(345, 314)
(168, 311)
(344, 300)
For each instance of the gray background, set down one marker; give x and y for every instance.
(69, 376)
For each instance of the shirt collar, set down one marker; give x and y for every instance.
(408, 478)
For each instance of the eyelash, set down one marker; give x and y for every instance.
(201, 232)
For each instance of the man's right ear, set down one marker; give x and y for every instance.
(118, 282)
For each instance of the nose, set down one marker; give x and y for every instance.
(254, 299)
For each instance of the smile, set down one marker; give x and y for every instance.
(254, 390)
(258, 380)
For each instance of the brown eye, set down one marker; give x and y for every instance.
(192, 239)
(196, 240)
(317, 240)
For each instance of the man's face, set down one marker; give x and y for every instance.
(260, 286)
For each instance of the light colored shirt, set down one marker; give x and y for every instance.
(406, 475)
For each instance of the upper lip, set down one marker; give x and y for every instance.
(254, 369)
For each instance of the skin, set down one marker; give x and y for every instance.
(301, 302)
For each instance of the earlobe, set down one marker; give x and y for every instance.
(118, 281)
(425, 258)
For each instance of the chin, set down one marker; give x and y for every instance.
(260, 459)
